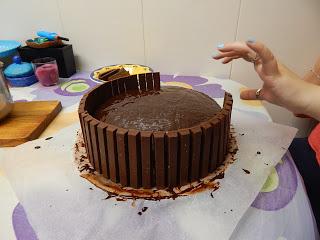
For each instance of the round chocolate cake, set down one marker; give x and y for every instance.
(142, 136)
(170, 108)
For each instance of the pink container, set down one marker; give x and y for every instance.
(46, 71)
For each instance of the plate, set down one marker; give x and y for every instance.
(133, 69)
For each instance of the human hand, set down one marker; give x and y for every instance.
(281, 86)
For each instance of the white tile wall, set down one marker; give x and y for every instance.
(174, 36)
(20, 20)
(181, 35)
(104, 32)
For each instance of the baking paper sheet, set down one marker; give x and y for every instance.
(61, 205)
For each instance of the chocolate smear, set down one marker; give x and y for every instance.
(246, 171)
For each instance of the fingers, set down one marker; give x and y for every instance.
(234, 50)
(250, 94)
(229, 59)
(238, 47)
(269, 62)
(264, 53)
(225, 54)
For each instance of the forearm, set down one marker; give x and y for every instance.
(296, 95)
(312, 101)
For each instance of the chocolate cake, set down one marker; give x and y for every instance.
(138, 135)
(113, 74)
(170, 108)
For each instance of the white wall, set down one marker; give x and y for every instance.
(174, 36)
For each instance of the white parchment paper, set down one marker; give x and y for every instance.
(61, 205)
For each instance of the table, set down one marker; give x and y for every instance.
(290, 217)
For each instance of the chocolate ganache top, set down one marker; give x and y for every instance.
(171, 108)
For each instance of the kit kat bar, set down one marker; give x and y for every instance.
(205, 149)
(142, 82)
(134, 158)
(102, 138)
(221, 156)
(149, 80)
(213, 163)
(112, 153)
(172, 155)
(146, 158)
(159, 159)
(196, 135)
(131, 83)
(184, 148)
(156, 81)
(121, 85)
(115, 87)
(122, 144)
(87, 120)
(95, 144)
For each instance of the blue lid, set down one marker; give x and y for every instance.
(8, 47)
(18, 68)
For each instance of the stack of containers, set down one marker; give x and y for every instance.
(20, 74)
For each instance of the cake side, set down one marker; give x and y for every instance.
(151, 159)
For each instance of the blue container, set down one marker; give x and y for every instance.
(18, 68)
(22, 81)
(20, 74)
(8, 48)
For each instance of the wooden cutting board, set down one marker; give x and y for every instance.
(27, 121)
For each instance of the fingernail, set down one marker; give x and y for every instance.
(215, 55)
(220, 45)
(251, 40)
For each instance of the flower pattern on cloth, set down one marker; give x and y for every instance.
(69, 92)
(21, 225)
(200, 84)
(280, 187)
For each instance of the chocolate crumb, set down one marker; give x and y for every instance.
(241, 134)
(211, 194)
(258, 152)
(231, 210)
(67, 190)
(50, 205)
(48, 138)
(224, 212)
(86, 167)
(140, 213)
(115, 204)
(121, 199)
(91, 188)
(108, 197)
(144, 209)
(266, 164)
(246, 171)
(37, 147)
